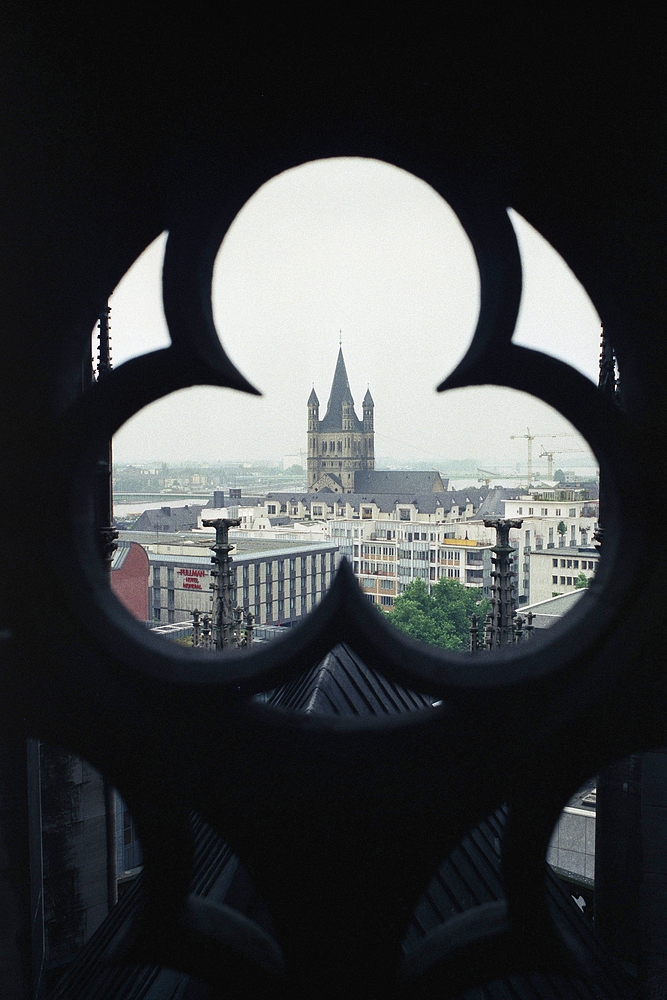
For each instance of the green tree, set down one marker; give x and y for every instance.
(581, 581)
(441, 618)
(562, 528)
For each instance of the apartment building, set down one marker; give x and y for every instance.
(387, 555)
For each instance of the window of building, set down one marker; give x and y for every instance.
(129, 829)
(545, 511)
(554, 579)
(562, 580)
(573, 511)
(531, 510)
(404, 514)
(386, 584)
(371, 598)
(554, 563)
(569, 581)
(520, 510)
(386, 600)
(562, 564)
(575, 565)
(569, 564)
(557, 511)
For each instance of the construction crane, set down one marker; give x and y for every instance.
(549, 455)
(530, 438)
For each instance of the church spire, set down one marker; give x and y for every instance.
(340, 394)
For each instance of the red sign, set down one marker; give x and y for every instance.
(192, 578)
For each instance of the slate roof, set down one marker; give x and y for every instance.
(426, 503)
(549, 612)
(340, 393)
(372, 481)
(168, 519)
(334, 479)
(342, 685)
(494, 505)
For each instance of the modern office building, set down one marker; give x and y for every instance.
(278, 581)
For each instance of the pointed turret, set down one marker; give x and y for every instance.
(368, 406)
(313, 414)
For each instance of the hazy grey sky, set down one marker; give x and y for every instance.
(363, 247)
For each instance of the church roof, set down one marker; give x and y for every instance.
(312, 399)
(340, 393)
(368, 399)
(374, 481)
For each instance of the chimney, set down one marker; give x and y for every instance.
(218, 499)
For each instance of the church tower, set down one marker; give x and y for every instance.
(340, 444)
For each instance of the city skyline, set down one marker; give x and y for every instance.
(362, 247)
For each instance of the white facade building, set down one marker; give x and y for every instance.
(388, 553)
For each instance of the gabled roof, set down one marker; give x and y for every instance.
(168, 519)
(373, 481)
(336, 480)
(340, 393)
(343, 685)
(494, 504)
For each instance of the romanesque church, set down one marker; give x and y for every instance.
(340, 444)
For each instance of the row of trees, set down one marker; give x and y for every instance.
(441, 618)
